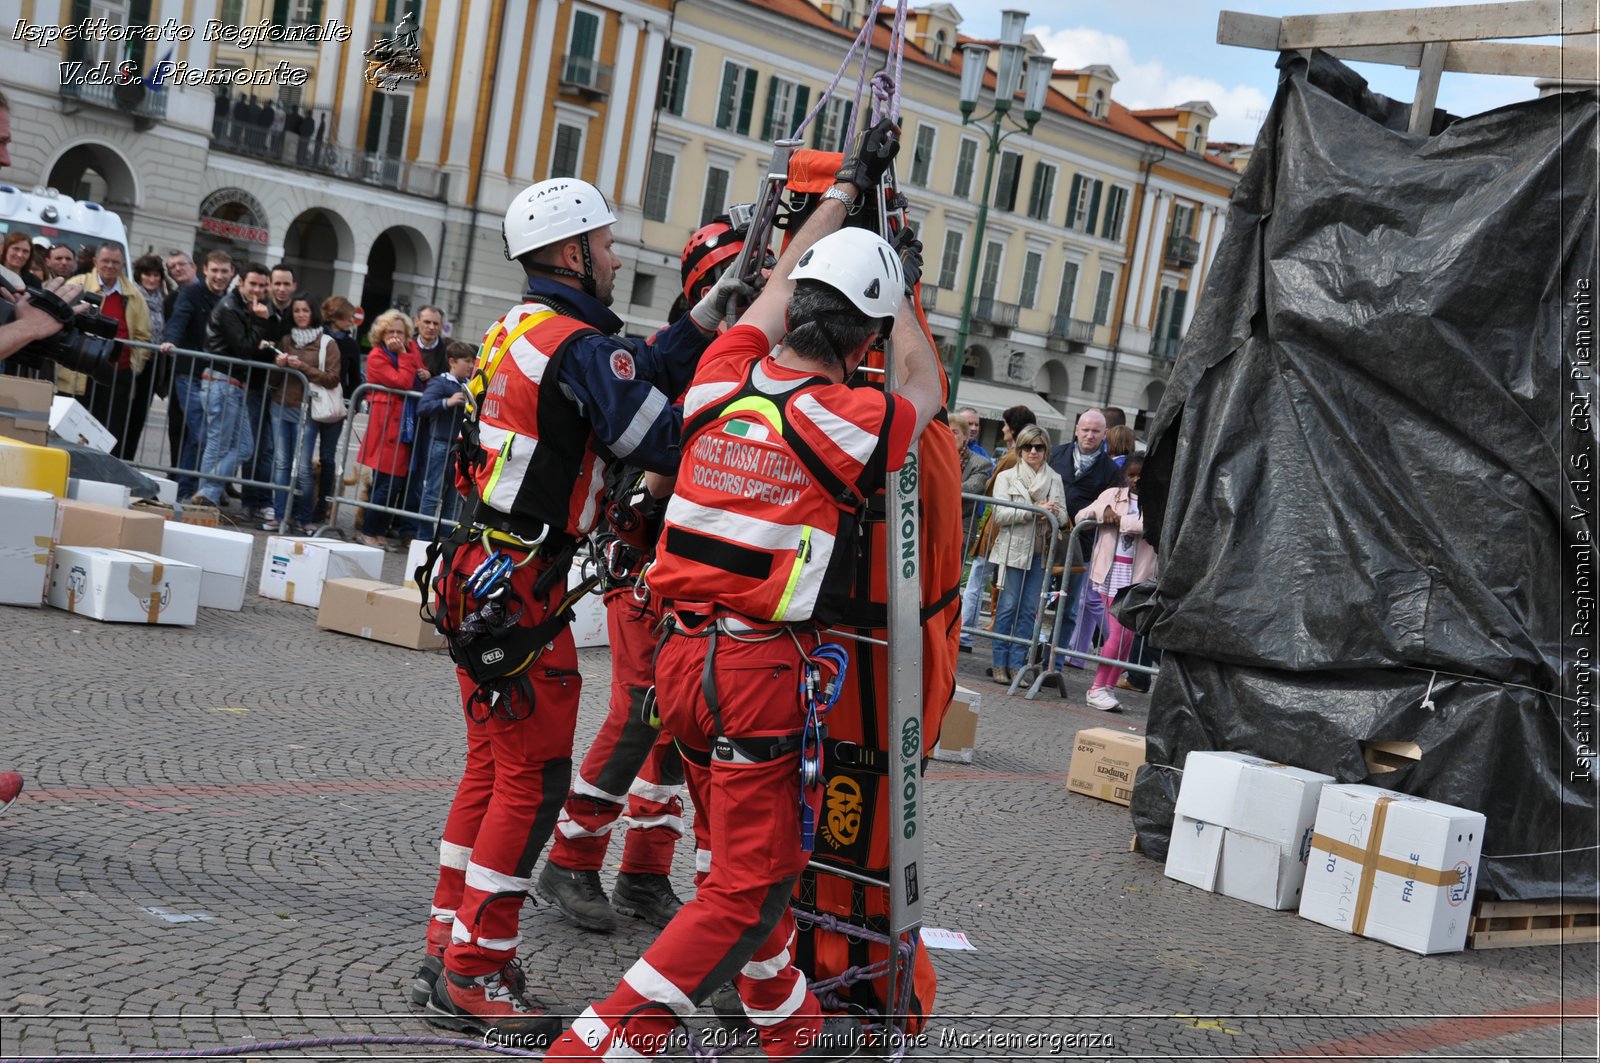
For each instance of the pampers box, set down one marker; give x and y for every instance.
(223, 557)
(125, 585)
(27, 519)
(588, 616)
(294, 568)
(1393, 867)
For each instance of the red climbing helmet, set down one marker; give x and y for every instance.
(707, 254)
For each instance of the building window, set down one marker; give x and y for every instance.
(658, 186)
(832, 124)
(922, 156)
(1097, 108)
(567, 158)
(1116, 213)
(1069, 290)
(644, 289)
(1182, 219)
(993, 255)
(1083, 202)
(736, 101)
(232, 12)
(716, 197)
(386, 125)
(786, 106)
(1197, 140)
(966, 162)
(583, 46)
(305, 12)
(289, 96)
(950, 259)
(1102, 297)
(1169, 317)
(1091, 377)
(674, 78)
(1032, 265)
(1005, 192)
(1043, 193)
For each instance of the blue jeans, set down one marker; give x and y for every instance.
(1016, 612)
(229, 436)
(259, 464)
(393, 491)
(972, 596)
(189, 405)
(325, 438)
(288, 440)
(439, 497)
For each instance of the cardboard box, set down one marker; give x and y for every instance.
(70, 421)
(124, 585)
(90, 524)
(117, 496)
(223, 558)
(416, 553)
(199, 516)
(958, 734)
(1392, 867)
(373, 610)
(588, 616)
(25, 409)
(34, 466)
(1104, 762)
(166, 490)
(295, 569)
(27, 519)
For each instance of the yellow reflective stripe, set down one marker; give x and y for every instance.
(499, 466)
(794, 573)
(488, 346)
(765, 409)
(525, 326)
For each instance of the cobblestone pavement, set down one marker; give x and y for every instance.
(229, 835)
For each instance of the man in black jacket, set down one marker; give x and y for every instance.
(1086, 470)
(186, 329)
(241, 322)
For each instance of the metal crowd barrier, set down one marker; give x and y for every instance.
(1033, 640)
(429, 503)
(167, 435)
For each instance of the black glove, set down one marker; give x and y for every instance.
(873, 151)
(909, 248)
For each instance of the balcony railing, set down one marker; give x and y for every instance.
(1165, 346)
(993, 312)
(1074, 329)
(1182, 251)
(152, 106)
(305, 152)
(586, 74)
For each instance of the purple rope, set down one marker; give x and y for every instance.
(861, 38)
(280, 1046)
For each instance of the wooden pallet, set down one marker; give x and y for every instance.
(1514, 924)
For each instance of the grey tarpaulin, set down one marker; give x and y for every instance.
(1356, 475)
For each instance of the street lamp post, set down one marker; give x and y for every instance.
(974, 64)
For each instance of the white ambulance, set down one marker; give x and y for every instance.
(51, 218)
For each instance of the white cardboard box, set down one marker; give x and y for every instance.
(1242, 827)
(27, 521)
(1393, 867)
(222, 556)
(588, 616)
(124, 585)
(415, 555)
(99, 491)
(294, 568)
(166, 490)
(70, 421)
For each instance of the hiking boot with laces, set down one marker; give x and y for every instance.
(647, 897)
(578, 896)
(481, 1004)
(433, 965)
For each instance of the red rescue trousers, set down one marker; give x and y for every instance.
(629, 763)
(506, 803)
(738, 925)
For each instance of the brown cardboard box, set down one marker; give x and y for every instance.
(958, 735)
(378, 611)
(25, 409)
(1104, 762)
(89, 524)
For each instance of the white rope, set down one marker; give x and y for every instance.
(882, 90)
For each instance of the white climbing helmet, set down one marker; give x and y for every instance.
(550, 211)
(861, 266)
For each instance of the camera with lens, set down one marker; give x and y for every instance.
(87, 342)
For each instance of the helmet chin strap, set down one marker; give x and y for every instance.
(585, 279)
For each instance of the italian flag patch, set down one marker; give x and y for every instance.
(746, 430)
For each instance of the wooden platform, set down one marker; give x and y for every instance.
(1514, 924)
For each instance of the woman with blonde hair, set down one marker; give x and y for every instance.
(1021, 542)
(386, 449)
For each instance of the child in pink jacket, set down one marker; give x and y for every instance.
(1121, 557)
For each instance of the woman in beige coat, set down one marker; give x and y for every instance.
(1020, 545)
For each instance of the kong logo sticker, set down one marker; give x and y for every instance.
(622, 365)
(845, 806)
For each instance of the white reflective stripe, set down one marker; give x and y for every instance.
(845, 435)
(452, 855)
(530, 360)
(589, 789)
(643, 418)
(515, 468)
(702, 861)
(747, 531)
(591, 1029)
(660, 793)
(461, 933)
(571, 828)
(803, 602)
(490, 881)
(771, 1018)
(443, 915)
(672, 823)
(767, 384)
(591, 499)
(653, 985)
(764, 969)
(700, 395)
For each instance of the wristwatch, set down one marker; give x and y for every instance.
(848, 199)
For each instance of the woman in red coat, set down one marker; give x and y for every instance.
(391, 363)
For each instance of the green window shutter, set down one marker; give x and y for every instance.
(1094, 207)
(78, 50)
(802, 101)
(316, 12)
(1072, 199)
(770, 120)
(280, 12)
(585, 32)
(1180, 298)
(748, 104)
(396, 146)
(374, 122)
(730, 85)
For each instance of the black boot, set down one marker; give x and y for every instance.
(647, 897)
(578, 895)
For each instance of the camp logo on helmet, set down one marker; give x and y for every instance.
(622, 364)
